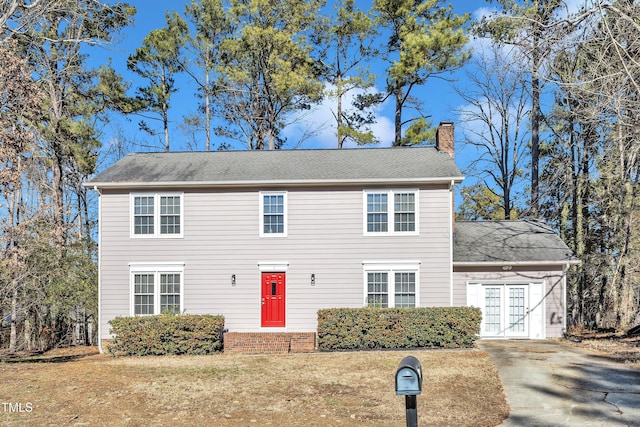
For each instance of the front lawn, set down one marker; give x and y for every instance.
(461, 388)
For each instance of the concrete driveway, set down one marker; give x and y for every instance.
(550, 383)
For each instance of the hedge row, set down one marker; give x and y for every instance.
(166, 334)
(394, 328)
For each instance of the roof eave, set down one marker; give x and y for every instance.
(263, 183)
(514, 263)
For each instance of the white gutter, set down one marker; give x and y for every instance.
(512, 263)
(262, 183)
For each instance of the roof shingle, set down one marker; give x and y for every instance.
(508, 242)
(402, 164)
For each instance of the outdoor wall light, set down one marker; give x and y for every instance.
(313, 279)
(233, 280)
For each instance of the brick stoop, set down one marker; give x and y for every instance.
(269, 342)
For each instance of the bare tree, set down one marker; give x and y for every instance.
(495, 123)
(534, 27)
(17, 16)
(210, 26)
(595, 160)
(20, 100)
(615, 64)
(47, 250)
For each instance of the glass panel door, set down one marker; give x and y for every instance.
(505, 311)
(517, 311)
(493, 309)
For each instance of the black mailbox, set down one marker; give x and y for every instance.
(409, 377)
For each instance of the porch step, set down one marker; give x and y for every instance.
(269, 342)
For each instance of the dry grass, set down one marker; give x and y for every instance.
(461, 388)
(614, 345)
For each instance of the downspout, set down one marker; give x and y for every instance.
(97, 190)
(451, 225)
(564, 298)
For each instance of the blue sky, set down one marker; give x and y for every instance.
(438, 95)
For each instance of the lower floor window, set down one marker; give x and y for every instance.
(156, 291)
(390, 288)
(405, 289)
(143, 293)
(170, 293)
(378, 289)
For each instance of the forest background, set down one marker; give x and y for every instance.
(544, 96)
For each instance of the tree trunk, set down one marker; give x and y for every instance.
(165, 121)
(270, 137)
(165, 111)
(58, 197)
(14, 215)
(398, 117)
(535, 125)
(507, 203)
(13, 334)
(27, 333)
(339, 112)
(207, 110)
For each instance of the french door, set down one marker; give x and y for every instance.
(505, 310)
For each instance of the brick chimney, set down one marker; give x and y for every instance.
(444, 138)
(445, 144)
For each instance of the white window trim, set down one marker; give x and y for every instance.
(390, 267)
(156, 216)
(156, 269)
(273, 266)
(285, 215)
(390, 212)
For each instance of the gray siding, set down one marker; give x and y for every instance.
(221, 238)
(552, 277)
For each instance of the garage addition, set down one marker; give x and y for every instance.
(515, 272)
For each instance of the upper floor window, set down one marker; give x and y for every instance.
(156, 289)
(391, 212)
(156, 215)
(273, 214)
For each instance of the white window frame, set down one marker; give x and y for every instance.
(155, 269)
(390, 268)
(156, 216)
(284, 213)
(391, 212)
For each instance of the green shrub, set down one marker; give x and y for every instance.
(395, 328)
(166, 334)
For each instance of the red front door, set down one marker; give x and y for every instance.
(273, 299)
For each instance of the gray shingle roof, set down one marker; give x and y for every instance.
(508, 242)
(402, 164)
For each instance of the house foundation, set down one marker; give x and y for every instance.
(269, 342)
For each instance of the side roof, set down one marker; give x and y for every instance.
(303, 167)
(508, 242)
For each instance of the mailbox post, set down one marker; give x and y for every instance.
(409, 384)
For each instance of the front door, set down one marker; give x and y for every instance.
(273, 299)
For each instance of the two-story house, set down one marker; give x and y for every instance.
(267, 238)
